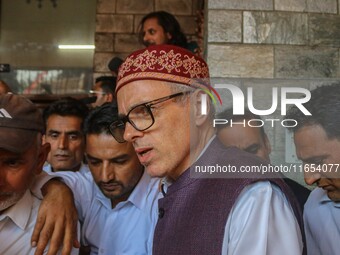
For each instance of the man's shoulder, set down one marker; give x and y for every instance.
(231, 155)
(20, 220)
(319, 201)
(150, 185)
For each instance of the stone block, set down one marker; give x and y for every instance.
(104, 42)
(324, 29)
(224, 26)
(290, 5)
(324, 6)
(175, 7)
(106, 23)
(101, 61)
(134, 6)
(240, 61)
(137, 20)
(106, 6)
(306, 62)
(241, 4)
(126, 43)
(275, 28)
(188, 24)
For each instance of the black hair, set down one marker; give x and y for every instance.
(99, 119)
(324, 106)
(66, 107)
(108, 83)
(114, 64)
(169, 24)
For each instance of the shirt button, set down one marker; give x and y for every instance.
(161, 213)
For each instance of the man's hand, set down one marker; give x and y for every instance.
(56, 221)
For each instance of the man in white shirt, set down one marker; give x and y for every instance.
(117, 200)
(252, 139)
(63, 131)
(159, 92)
(317, 142)
(21, 158)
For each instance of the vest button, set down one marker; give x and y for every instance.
(161, 212)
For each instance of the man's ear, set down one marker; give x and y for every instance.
(201, 107)
(42, 156)
(109, 98)
(169, 36)
(43, 139)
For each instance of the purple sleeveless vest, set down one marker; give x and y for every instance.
(193, 214)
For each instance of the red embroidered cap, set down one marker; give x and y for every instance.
(165, 63)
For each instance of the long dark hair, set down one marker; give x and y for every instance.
(170, 25)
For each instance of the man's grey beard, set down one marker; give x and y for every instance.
(12, 199)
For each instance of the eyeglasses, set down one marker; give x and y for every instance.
(140, 117)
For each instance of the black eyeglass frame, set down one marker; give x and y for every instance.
(121, 122)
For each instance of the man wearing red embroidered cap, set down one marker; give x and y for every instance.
(159, 92)
(22, 156)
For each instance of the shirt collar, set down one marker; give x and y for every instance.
(206, 146)
(20, 212)
(138, 196)
(326, 199)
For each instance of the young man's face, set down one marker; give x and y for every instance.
(17, 172)
(318, 152)
(246, 138)
(67, 142)
(164, 148)
(154, 34)
(114, 166)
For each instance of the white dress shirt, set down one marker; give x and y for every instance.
(16, 227)
(262, 222)
(17, 224)
(322, 224)
(130, 225)
(83, 168)
(125, 229)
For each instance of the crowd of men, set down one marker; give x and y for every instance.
(118, 177)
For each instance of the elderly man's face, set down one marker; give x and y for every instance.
(164, 148)
(17, 172)
(318, 153)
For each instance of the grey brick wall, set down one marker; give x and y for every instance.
(264, 44)
(249, 43)
(117, 24)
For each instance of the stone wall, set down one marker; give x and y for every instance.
(117, 23)
(273, 43)
(248, 43)
(287, 39)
